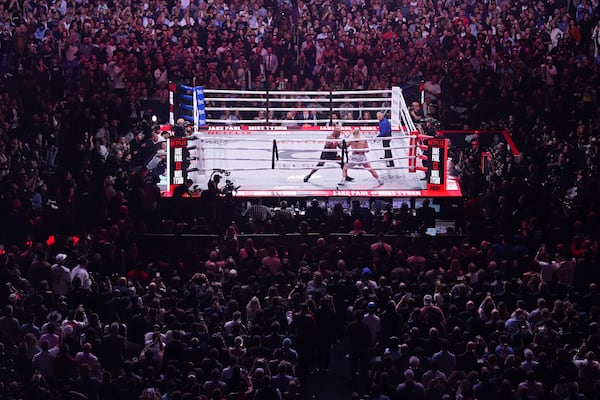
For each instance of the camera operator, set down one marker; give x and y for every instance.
(211, 197)
(184, 190)
(213, 186)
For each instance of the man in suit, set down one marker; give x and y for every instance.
(306, 118)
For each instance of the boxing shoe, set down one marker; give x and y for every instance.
(380, 181)
(349, 179)
(306, 178)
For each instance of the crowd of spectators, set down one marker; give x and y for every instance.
(509, 310)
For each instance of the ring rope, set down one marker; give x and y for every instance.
(322, 109)
(358, 109)
(308, 160)
(325, 100)
(276, 99)
(321, 150)
(243, 137)
(297, 168)
(337, 161)
(238, 138)
(295, 93)
(361, 99)
(286, 122)
(296, 108)
(319, 109)
(240, 99)
(236, 159)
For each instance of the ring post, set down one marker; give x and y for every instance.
(267, 102)
(330, 108)
(172, 95)
(396, 107)
(412, 152)
(274, 154)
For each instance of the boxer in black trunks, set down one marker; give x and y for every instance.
(331, 144)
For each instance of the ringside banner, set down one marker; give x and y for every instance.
(249, 129)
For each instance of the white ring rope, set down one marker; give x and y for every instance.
(238, 159)
(360, 109)
(384, 99)
(322, 150)
(311, 160)
(240, 99)
(299, 93)
(238, 138)
(354, 92)
(289, 137)
(322, 109)
(313, 100)
(317, 109)
(339, 161)
(291, 164)
(263, 100)
(293, 167)
(286, 122)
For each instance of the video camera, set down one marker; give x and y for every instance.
(229, 187)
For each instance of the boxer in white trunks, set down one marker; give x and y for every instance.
(358, 157)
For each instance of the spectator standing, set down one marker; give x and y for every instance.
(530, 388)
(87, 385)
(432, 88)
(281, 380)
(303, 324)
(372, 320)
(40, 270)
(43, 361)
(113, 350)
(410, 389)
(80, 277)
(9, 326)
(549, 74)
(358, 335)
(445, 359)
(85, 356)
(326, 326)
(60, 281)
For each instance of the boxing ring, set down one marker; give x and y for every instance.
(267, 150)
